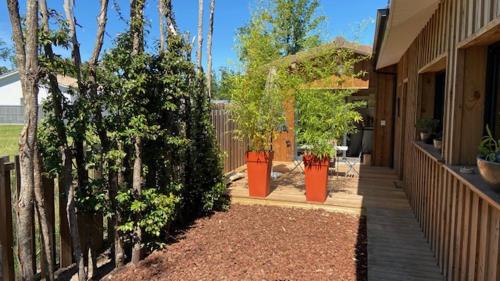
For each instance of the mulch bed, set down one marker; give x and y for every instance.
(261, 243)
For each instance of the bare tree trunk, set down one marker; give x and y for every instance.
(27, 63)
(200, 35)
(118, 243)
(70, 207)
(137, 186)
(169, 15)
(137, 25)
(98, 119)
(209, 47)
(162, 28)
(137, 31)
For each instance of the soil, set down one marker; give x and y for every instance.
(261, 243)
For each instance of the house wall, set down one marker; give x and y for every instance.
(11, 109)
(383, 87)
(11, 92)
(459, 213)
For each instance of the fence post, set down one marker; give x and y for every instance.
(6, 235)
(66, 253)
(48, 197)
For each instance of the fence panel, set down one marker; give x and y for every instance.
(234, 150)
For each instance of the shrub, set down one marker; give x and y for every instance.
(323, 117)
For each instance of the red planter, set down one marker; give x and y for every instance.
(259, 164)
(316, 172)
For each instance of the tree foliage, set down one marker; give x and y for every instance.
(294, 25)
(323, 117)
(156, 96)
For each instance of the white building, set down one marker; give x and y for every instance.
(11, 95)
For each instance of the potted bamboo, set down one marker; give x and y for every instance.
(426, 126)
(488, 161)
(257, 108)
(323, 118)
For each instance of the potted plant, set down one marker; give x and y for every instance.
(323, 117)
(257, 108)
(438, 141)
(488, 161)
(426, 127)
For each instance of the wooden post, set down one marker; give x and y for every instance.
(66, 253)
(6, 236)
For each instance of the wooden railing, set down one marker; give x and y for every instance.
(459, 215)
(91, 226)
(234, 150)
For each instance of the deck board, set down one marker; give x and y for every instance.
(397, 248)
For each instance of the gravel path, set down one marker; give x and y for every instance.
(261, 243)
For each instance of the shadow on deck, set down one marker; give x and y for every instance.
(397, 248)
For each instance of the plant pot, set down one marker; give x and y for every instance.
(438, 144)
(490, 172)
(316, 174)
(425, 136)
(259, 164)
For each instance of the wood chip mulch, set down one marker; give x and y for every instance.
(261, 243)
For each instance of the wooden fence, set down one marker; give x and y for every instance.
(91, 226)
(234, 150)
(460, 217)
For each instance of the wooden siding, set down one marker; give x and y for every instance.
(459, 215)
(383, 84)
(460, 220)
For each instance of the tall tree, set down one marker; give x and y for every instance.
(79, 146)
(161, 13)
(27, 63)
(169, 15)
(137, 34)
(294, 23)
(209, 47)
(200, 35)
(63, 148)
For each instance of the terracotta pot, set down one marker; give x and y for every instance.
(425, 136)
(316, 172)
(490, 172)
(438, 144)
(259, 164)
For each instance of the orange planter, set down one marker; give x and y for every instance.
(259, 165)
(316, 172)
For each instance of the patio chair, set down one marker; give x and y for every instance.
(298, 160)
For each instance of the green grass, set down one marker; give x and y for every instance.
(9, 139)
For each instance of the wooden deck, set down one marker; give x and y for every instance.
(397, 249)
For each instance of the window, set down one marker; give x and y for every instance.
(432, 91)
(439, 99)
(492, 105)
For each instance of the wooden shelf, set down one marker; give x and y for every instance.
(477, 184)
(430, 150)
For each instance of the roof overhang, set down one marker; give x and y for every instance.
(406, 19)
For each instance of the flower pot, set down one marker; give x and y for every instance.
(316, 173)
(425, 136)
(490, 172)
(438, 144)
(259, 165)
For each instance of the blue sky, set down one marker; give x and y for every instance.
(343, 18)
